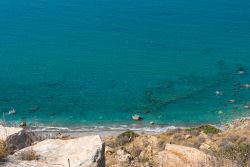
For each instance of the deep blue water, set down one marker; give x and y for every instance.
(98, 62)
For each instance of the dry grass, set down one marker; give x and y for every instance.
(239, 153)
(197, 143)
(3, 149)
(161, 145)
(136, 151)
(29, 155)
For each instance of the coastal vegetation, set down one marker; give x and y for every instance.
(3, 149)
(207, 129)
(237, 152)
(126, 137)
(29, 155)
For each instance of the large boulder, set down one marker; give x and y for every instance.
(176, 155)
(85, 151)
(16, 138)
(18, 141)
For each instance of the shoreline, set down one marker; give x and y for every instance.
(114, 131)
(126, 147)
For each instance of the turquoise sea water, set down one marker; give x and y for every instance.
(98, 62)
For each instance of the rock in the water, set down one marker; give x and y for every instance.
(220, 112)
(247, 105)
(136, 117)
(241, 71)
(85, 151)
(218, 93)
(247, 86)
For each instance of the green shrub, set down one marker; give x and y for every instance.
(126, 137)
(207, 129)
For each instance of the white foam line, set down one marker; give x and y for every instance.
(103, 128)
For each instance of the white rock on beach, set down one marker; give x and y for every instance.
(85, 151)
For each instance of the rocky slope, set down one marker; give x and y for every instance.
(202, 146)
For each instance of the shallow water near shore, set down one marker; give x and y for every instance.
(96, 63)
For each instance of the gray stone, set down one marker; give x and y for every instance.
(16, 138)
(18, 141)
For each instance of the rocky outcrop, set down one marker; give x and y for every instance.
(15, 138)
(122, 157)
(18, 141)
(188, 149)
(86, 151)
(175, 155)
